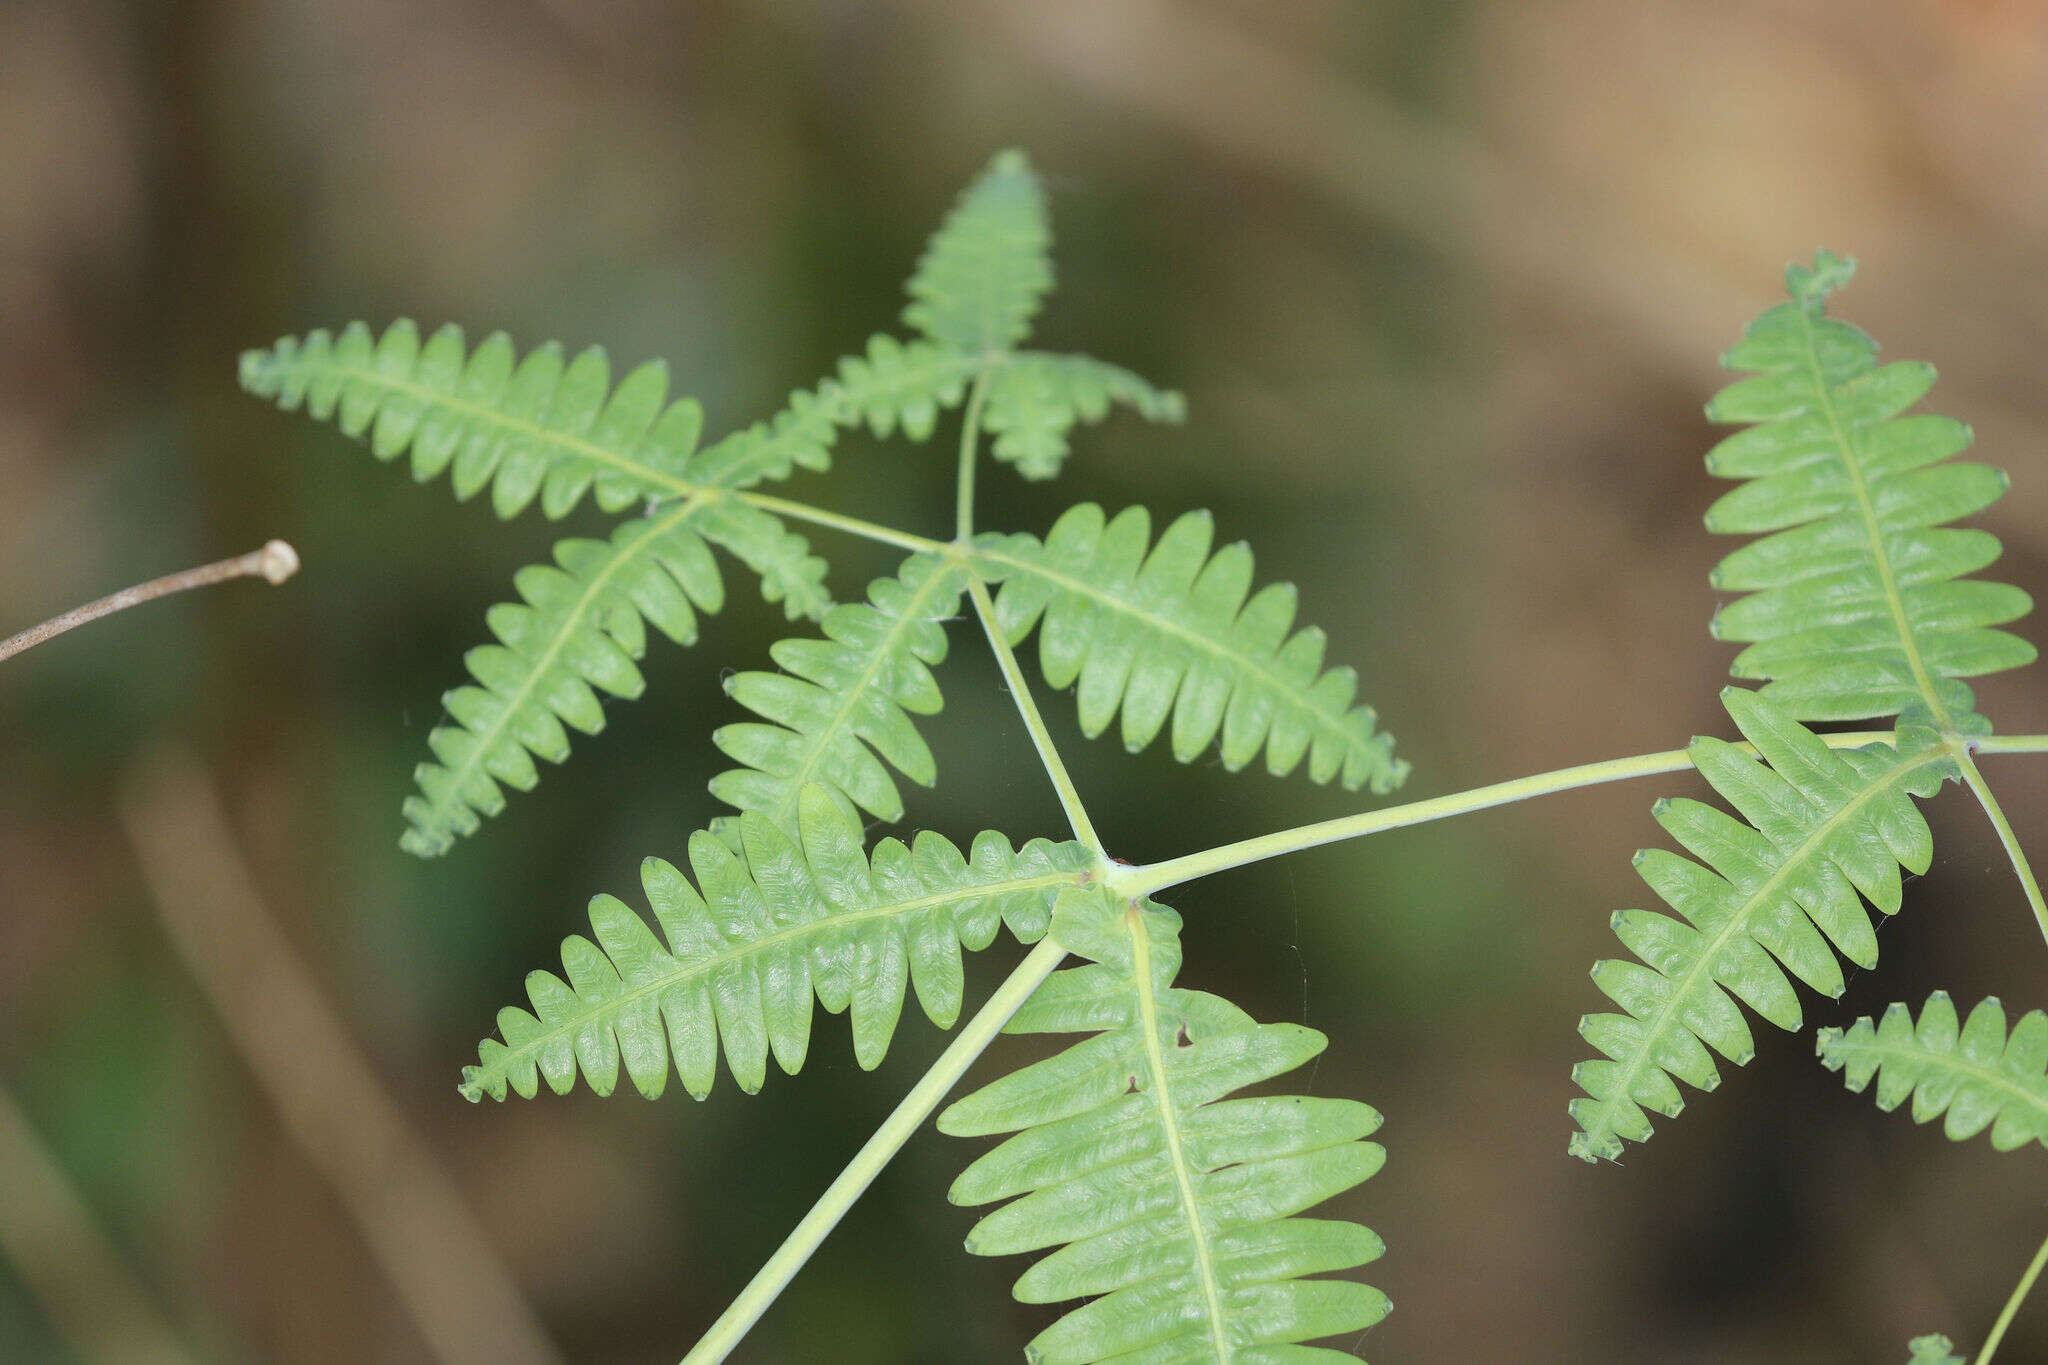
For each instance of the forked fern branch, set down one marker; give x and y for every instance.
(1172, 1203)
(1817, 827)
(763, 930)
(1978, 1076)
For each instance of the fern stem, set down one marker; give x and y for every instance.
(1996, 812)
(853, 526)
(275, 562)
(1041, 738)
(1155, 877)
(970, 436)
(2012, 1305)
(2010, 744)
(875, 1153)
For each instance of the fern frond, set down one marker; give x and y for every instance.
(842, 700)
(980, 280)
(1978, 1075)
(541, 426)
(1171, 632)
(1933, 1350)
(792, 915)
(1857, 599)
(1172, 1203)
(1817, 826)
(578, 629)
(1034, 400)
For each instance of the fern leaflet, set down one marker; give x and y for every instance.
(1978, 1076)
(1172, 1203)
(1171, 632)
(1857, 602)
(892, 386)
(790, 915)
(844, 699)
(980, 280)
(554, 429)
(539, 426)
(1818, 826)
(1034, 400)
(579, 628)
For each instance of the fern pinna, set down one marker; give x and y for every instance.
(764, 928)
(1171, 1202)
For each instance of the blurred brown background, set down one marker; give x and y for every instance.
(1444, 283)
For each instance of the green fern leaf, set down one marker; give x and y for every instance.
(1933, 1350)
(892, 386)
(1171, 632)
(844, 699)
(1978, 1076)
(556, 429)
(1034, 401)
(790, 915)
(1818, 826)
(1857, 599)
(980, 280)
(578, 629)
(541, 426)
(1172, 1203)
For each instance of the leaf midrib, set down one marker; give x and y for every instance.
(1852, 463)
(617, 1004)
(1703, 964)
(1169, 1122)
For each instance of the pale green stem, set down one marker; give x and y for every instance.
(970, 434)
(2012, 1305)
(2013, 851)
(2011, 744)
(1153, 877)
(853, 526)
(1041, 738)
(867, 1163)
